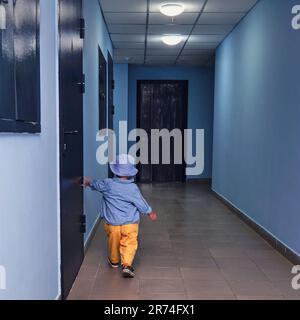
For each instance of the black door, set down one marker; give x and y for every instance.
(71, 138)
(111, 85)
(102, 91)
(162, 105)
(110, 107)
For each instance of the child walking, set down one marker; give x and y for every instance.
(121, 208)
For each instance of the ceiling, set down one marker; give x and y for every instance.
(136, 27)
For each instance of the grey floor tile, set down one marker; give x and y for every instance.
(211, 296)
(277, 272)
(82, 289)
(228, 252)
(264, 298)
(151, 272)
(114, 284)
(196, 253)
(163, 296)
(104, 295)
(197, 262)
(207, 274)
(88, 272)
(264, 254)
(156, 261)
(254, 288)
(285, 287)
(236, 263)
(197, 250)
(208, 287)
(162, 286)
(240, 274)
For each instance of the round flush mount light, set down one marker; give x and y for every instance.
(172, 9)
(172, 40)
(2, 17)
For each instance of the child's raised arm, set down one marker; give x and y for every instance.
(95, 185)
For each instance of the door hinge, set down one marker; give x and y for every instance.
(113, 110)
(83, 224)
(113, 84)
(82, 28)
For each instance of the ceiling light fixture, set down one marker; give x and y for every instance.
(172, 40)
(172, 9)
(2, 17)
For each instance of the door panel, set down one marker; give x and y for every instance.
(71, 138)
(26, 60)
(110, 92)
(162, 105)
(7, 69)
(102, 91)
(20, 68)
(144, 113)
(110, 102)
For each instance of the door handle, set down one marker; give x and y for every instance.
(81, 84)
(72, 132)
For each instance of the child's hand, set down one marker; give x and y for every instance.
(153, 216)
(86, 182)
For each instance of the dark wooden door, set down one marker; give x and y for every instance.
(71, 138)
(102, 91)
(162, 105)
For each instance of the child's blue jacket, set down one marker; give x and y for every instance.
(122, 201)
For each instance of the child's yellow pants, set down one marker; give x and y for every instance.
(122, 241)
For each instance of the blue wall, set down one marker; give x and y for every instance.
(201, 97)
(96, 35)
(257, 113)
(29, 184)
(120, 95)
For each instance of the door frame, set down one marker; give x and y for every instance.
(61, 149)
(184, 120)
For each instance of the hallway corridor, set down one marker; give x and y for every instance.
(197, 250)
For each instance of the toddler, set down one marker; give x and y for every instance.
(121, 208)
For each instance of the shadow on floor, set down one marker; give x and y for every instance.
(197, 250)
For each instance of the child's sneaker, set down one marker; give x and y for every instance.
(113, 265)
(128, 272)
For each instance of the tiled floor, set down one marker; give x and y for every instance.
(197, 250)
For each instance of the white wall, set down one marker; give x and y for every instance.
(29, 206)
